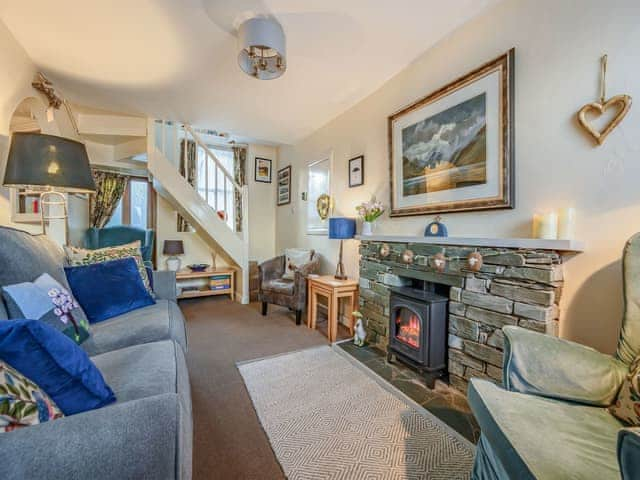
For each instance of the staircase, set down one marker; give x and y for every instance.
(210, 206)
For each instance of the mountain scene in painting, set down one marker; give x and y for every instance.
(446, 151)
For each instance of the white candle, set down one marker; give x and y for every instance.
(535, 225)
(567, 223)
(548, 228)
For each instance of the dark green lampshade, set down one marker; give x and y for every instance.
(38, 160)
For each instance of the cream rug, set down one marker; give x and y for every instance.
(328, 417)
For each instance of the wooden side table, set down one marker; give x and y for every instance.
(333, 290)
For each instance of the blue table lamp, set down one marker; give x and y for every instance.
(341, 228)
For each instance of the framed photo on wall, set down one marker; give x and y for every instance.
(284, 186)
(356, 171)
(263, 170)
(453, 150)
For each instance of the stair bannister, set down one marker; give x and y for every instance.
(166, 137)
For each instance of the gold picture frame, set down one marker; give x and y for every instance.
(453, 150)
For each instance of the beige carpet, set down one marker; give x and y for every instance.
(328, 418)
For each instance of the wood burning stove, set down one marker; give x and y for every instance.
(418, 329)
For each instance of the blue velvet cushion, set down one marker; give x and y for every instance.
(55, 363)
(108, 289)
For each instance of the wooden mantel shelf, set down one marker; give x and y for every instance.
(568, 246)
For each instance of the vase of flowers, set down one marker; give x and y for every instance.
(369, 212)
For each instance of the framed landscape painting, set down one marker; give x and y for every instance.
(453, 150)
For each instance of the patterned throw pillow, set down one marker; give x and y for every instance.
(46, 300)
(22, 402)
(81, 256)
(627, 406)
(295, 258)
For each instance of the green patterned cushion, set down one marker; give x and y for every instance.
(22, 402)
(627, 405)
(81, 256)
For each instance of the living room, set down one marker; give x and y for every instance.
(355, 240)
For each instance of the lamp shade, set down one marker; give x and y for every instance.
(341, 228)
(262, 48)
(173, 247)
(38, 160)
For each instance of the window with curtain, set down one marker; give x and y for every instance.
(135, 206)
(214, 192)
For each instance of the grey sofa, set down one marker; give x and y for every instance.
(147, 433)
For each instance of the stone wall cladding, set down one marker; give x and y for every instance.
(513, 287)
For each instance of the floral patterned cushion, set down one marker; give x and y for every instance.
(47, 300)
(627, 405)
(81, 256)
(22, 402)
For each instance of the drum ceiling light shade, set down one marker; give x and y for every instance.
(262, 48)
(49, 162)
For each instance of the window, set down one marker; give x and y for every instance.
(212, 189)
(134, 207)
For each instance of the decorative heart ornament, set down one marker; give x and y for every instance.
(621, 102)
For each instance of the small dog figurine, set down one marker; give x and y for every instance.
(360, 334)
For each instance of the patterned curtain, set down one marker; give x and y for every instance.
(239, 174)
(109, 190)
(189, 170)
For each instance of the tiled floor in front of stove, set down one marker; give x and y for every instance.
(443, 401)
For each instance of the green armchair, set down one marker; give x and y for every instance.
(549, 419)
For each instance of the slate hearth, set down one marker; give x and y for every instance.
(515, 286)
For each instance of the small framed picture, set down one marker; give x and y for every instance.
(284, 186)
(356, 171)
(263, 170)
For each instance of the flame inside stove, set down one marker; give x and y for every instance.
(408, 329)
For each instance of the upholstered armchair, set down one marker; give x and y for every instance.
(549, 419)
(285, 292)
(113, 236)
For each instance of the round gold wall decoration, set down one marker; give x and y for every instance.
(323, 206)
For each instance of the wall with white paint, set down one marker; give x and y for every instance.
(558, 46)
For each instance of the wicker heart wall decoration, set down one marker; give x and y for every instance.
(621, 102)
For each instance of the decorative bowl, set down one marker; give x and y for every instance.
(198, 267)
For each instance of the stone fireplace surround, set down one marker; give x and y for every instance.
(519, 283)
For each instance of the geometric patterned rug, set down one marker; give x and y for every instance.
(327, 417)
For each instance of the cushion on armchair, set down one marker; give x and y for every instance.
(294, 259)
(627, 404)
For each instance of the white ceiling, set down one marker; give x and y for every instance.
(176, 59)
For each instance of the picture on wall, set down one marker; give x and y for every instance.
(263, 170)
(453, 150)
(356, 171)
(284, 186)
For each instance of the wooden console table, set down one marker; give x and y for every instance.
(333, 290)
(206, 289)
